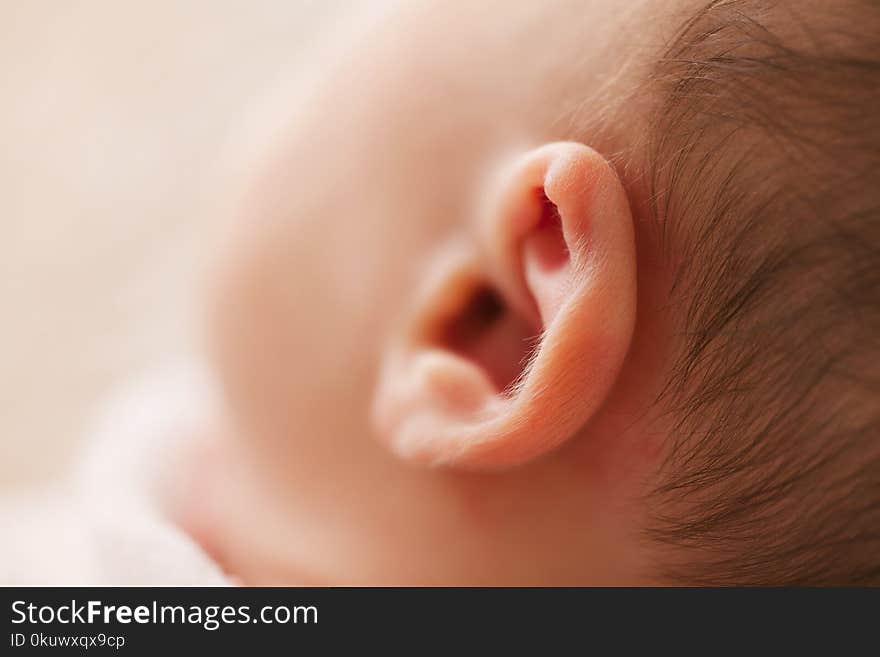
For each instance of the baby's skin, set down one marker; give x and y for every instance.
(446, 314)
(426, 224)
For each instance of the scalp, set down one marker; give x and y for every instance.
(764, 163)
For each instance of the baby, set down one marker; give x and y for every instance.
(559, 292)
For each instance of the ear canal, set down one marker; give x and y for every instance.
(488, 333)
(493, 334)
(514, 345)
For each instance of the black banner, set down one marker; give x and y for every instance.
(144, 620)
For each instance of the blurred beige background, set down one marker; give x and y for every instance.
(124, 127)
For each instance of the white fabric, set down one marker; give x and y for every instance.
(105, 525)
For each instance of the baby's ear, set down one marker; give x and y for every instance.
(515, 344)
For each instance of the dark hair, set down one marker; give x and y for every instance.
(764, 183)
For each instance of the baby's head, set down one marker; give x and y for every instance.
(566, 293)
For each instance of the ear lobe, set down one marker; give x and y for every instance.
(517, 343)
